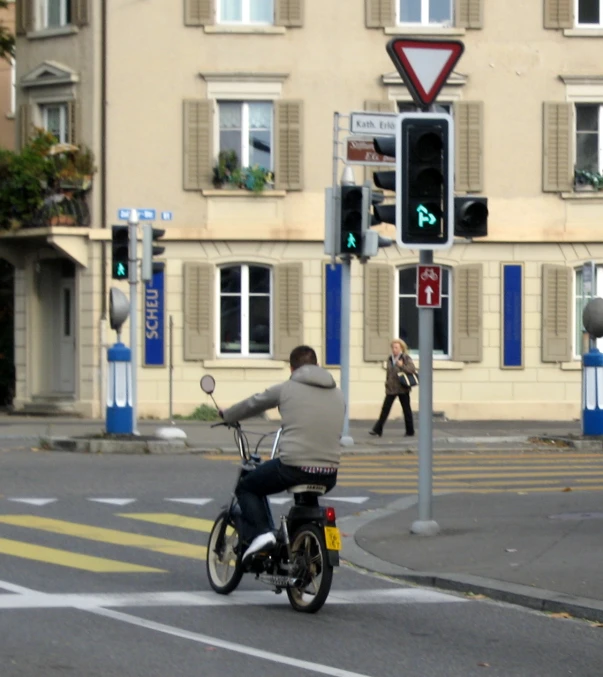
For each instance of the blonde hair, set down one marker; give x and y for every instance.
(401, 343)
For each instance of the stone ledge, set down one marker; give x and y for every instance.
(580, 442)
(88, 445)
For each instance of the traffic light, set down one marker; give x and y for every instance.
(425, 180)
(471, 217)
(371, 240)
(385, 145)
(149, 250)
(120, 237)
(354, 210)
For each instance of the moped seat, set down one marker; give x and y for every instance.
(308, 489)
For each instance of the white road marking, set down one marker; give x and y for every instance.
(191, 501)
(279, 501)
(34, 501)
(348, 499)
(113, 501)
(41, 600)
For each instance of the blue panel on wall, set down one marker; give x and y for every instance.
(512, 333)
(333, 315)
(154, 320)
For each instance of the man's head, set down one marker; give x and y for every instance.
(300, 356)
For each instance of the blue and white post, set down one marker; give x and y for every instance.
(592, 371)
(119, 391)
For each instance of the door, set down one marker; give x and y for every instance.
(67, 336)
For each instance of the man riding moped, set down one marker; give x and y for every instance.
(312, 411)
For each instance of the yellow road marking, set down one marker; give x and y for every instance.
(467, 476)
(74, 560)
(172, 520)
(161, 545)
(453, 484)
(524, 490)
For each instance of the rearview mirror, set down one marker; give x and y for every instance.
(208, 384)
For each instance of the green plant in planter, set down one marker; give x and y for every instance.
(584, 177)
(257, 178)
(225, 168)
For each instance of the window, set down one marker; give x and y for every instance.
(246, 11)
(589, 12)
(581, 298)
(246, 128)
(425, 12)
(57, 13)
(54, 120)
(404, 107)
(408, 313)
(589, 152)
(245, 326)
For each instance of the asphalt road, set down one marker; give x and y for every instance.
(126, 592)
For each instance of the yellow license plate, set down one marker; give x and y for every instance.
(333, 538)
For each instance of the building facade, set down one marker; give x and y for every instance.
(161, 91)
(7, 86)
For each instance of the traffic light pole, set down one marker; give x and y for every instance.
(425, 525)
(133, 279)
(346, 290)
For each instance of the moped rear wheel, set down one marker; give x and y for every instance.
(224, 569)
(311, 568)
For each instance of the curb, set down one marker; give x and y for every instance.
(103, 446)
(539, 599)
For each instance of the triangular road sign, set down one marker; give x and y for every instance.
(424, 65)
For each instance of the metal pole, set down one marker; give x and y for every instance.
(133, 266)
(334, 210)
(171, 366)
(425, 525)
(346, 279)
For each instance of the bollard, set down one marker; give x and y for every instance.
(119, 390)
(592, 393)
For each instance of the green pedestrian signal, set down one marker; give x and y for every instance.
(351, 218)
(120, 271)
(352, 244)
(120, 237)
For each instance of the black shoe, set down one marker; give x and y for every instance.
(374, 432)
(409, 435)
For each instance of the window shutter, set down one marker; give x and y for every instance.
(23, 17)
(558, 13)
(198, 114)
(378, 300)
(469, 13)
(25, 124)
(380, 13)
(73, 122)
(289, 170)
(467, 310)
(199, 12)
(468, 117)
(556, 313)
(288, 309)
(198, 311)
(557, 154)
(289, 13)
(80, 16)
(377, 107)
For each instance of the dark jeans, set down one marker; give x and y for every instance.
(268, 478)
(386, 408)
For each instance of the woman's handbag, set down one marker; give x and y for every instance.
(408, 380)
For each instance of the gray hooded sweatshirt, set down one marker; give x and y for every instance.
(311, 408)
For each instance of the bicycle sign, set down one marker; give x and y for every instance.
(429, 286)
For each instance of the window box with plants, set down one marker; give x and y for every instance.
(45, 183)
(227, 173)
(585, 180)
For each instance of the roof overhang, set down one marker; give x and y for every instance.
(70, 242)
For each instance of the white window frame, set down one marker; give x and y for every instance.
(446, 270)
(600, 132)
(64, 117)
(244, 158)
(577, 316)
(13, 86)
(244, 294)
(577, 14)
(63, 11)
(424, 15)
(245, 16)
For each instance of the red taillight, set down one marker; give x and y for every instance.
(330, 512)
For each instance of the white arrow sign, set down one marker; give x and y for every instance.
(428, 294)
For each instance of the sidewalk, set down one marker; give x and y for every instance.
(544, 551)
(447, 435)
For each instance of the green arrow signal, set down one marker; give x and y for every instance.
(426, 218)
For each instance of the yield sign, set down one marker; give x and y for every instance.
(424, 65)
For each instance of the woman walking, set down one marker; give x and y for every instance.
(398, 361)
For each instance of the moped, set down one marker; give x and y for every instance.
(308, 540)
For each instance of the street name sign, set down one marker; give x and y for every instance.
(424, 65)
(373, 124)
(429, 286)
(359, 151)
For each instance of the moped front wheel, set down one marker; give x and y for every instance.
(224, 569)
(311, 569)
